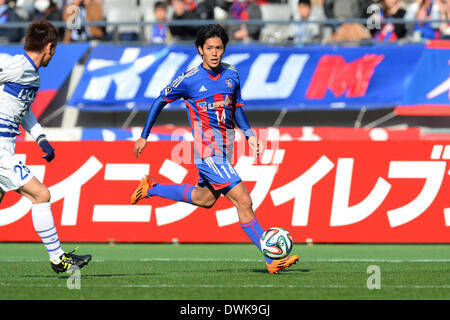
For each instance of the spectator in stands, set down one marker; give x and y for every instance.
(245, 10)
(7, 14)
(351, 32)
(160, 32)
(190, 5)
(205, 9)
(424, 10)
(221, 9)
(48, 10)
(342, 9)
(444, 13)
(181, 13)
(391, 31)
(25, 9)
(345, 10)
(308, 32)
(76, 13)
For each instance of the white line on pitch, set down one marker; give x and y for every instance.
(284, 286)
(237, 260)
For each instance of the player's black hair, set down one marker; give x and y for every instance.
(210, 31)
(39, 34)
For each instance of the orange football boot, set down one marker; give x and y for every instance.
(277, 265)
(141, 191)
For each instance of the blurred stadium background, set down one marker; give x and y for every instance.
(351, 97)
(329, 23)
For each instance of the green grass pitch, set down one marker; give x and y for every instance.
(228, 272)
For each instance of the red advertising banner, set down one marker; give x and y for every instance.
(327, 191)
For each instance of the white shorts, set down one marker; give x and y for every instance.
(13, 173)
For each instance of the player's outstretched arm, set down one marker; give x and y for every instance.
(31, 125)
(153, 113)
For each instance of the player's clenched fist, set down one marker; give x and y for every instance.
(139, 146)
(257, 146)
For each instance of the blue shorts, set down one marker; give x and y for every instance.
(217, 173)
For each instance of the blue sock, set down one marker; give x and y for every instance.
(177, 192)
(254, 232)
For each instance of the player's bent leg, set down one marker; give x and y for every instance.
(148, 187)
(197, 195)
(36, 191)
(240, 198)
(44, 226)
(204, 197)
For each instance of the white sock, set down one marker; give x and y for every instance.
(45, 227)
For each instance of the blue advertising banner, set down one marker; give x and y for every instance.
(430, 83)
(119, 78)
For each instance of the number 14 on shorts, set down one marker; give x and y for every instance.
(230, 168)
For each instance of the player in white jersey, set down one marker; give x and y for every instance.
(19, 84)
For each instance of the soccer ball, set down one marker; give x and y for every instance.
(276, 243)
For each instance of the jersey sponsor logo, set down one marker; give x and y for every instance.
(209, 106)
(202, 89)
(21, 92)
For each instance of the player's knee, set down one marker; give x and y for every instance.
(208, 203)
(42, 195)
(245, 203)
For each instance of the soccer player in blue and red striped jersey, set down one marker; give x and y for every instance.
(212, 95)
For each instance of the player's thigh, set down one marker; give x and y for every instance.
(240, 196)
(36, 191)
(13, 173)
(204, 196)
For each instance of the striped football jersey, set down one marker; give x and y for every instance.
(19, 85)
(211, 99)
